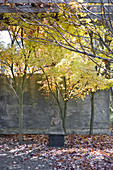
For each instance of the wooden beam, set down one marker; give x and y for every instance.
(34, 1)
(17, 1)
(34, 5)
(50, 1)
(28, 9)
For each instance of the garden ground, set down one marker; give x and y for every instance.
(81, 152)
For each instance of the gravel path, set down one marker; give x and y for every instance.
(21, 157)
(17, 163)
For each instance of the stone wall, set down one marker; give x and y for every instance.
(41, 114)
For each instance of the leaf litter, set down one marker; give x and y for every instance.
(81, 152)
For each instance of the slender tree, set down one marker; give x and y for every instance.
(16, 60)
(71, 77)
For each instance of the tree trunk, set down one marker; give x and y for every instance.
(65, 105)
(64, 116)
(64, 125)
(92, 114)
(20, 118)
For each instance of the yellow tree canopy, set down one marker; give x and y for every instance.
(80, 75)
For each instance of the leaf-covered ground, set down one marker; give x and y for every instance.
(80, 152)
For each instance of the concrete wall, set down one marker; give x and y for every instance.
(41, 114)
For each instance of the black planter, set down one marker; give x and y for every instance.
(56, 140)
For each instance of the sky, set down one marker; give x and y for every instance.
(4, 37)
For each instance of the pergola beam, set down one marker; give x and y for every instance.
(32, 1)
(50, 1)
(34, 6)
(28, 9)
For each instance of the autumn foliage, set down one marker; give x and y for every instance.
(80, 152)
